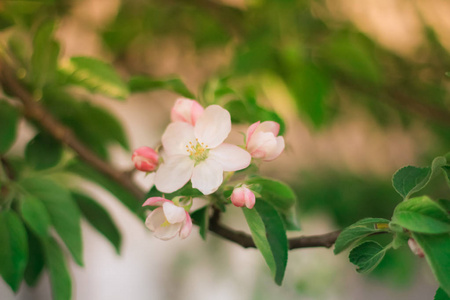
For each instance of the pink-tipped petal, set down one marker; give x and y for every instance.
(261, 144)
(155, 201)
(186, 110)
(213, 126)
(167, 232)
(238, 197)
(230, 157)
(207, 176)
(174, 173)
(269, 126)
(196, 111)
(251, 129)
(155, 219)
(145, 159)
(174, 214)
(277, 150)
(187, 227)
(249, 199)
(176, 137)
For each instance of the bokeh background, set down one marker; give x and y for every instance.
(363, 90)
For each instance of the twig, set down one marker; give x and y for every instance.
(35, 111)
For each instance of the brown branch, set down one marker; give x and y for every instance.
(36, 112)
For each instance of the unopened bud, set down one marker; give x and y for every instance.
(415, 248)
(145, 159)
(243, 196)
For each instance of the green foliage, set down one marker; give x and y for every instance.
(9, 119)
(139, 84)
(43, 151)
(269, 235)
(367, 256)
(441, 295)
(359, 230)
(14, 251)
(409, 180)
(64, 214)
(59, 274)
(276, 193)
(421, 214)
(99, 218)
(95, 76)
(200, 217)
(36, 260)
(35, 215)
(436, 249)
(187, 190)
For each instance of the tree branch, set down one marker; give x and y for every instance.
(36, 112)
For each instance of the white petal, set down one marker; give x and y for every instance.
(207, 176)
(174, 214)
(167, 232)
(176, 137)
(230, 157)
(277, 151)
(213, 126)
(263, 142)
(155, 219)
(187, 227)
(174, 173)
(269, 126)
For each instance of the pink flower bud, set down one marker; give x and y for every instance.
(415, 248)
(186, 110)
(243, 196)
(168, 220)
(145, 159)
(263, 142)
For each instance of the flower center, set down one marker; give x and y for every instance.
(197, 152)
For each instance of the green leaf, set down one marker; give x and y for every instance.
(200, 217)
(367, 256)
(122, 194)
(59, 273)
(409, 180)
(63, 212)
(139, 84)
(436, 249)
(99, 218)
(275, 192)
(441, 295)
(187, 190)
(359, 230)
(269, 236)
(36, 260)
(45, 56)
(94, 75)
(421, 214)
(447, 173)
(290, 219)
(445, 203)
(43, 151)
(9, 118)
(13, 249)
(35, 215)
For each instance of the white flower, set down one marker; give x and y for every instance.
(197, 153)
(168, 220)
(263, 142)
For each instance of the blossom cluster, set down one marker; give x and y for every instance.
(194, 149)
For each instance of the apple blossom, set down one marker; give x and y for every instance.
(263, 142)
(186, 110)
(145, 159)
(243, 196)
(197, 153)
(168, 220)
(415, 248)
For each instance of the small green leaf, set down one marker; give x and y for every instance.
(43, 151)
(436, 248)
(277, 193)
(59, 273)
(13, 249)
(63, 212)
(187, 190)
(269, 236)
(35, 215)
(9, 118)
(421, 214)
(36, 260)
(45, 56)
(367, 256)
(99, 218)
(95, 76)
(409, 180)
(441, 295)
(359, 230)
(200, 217)
(139, 84)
